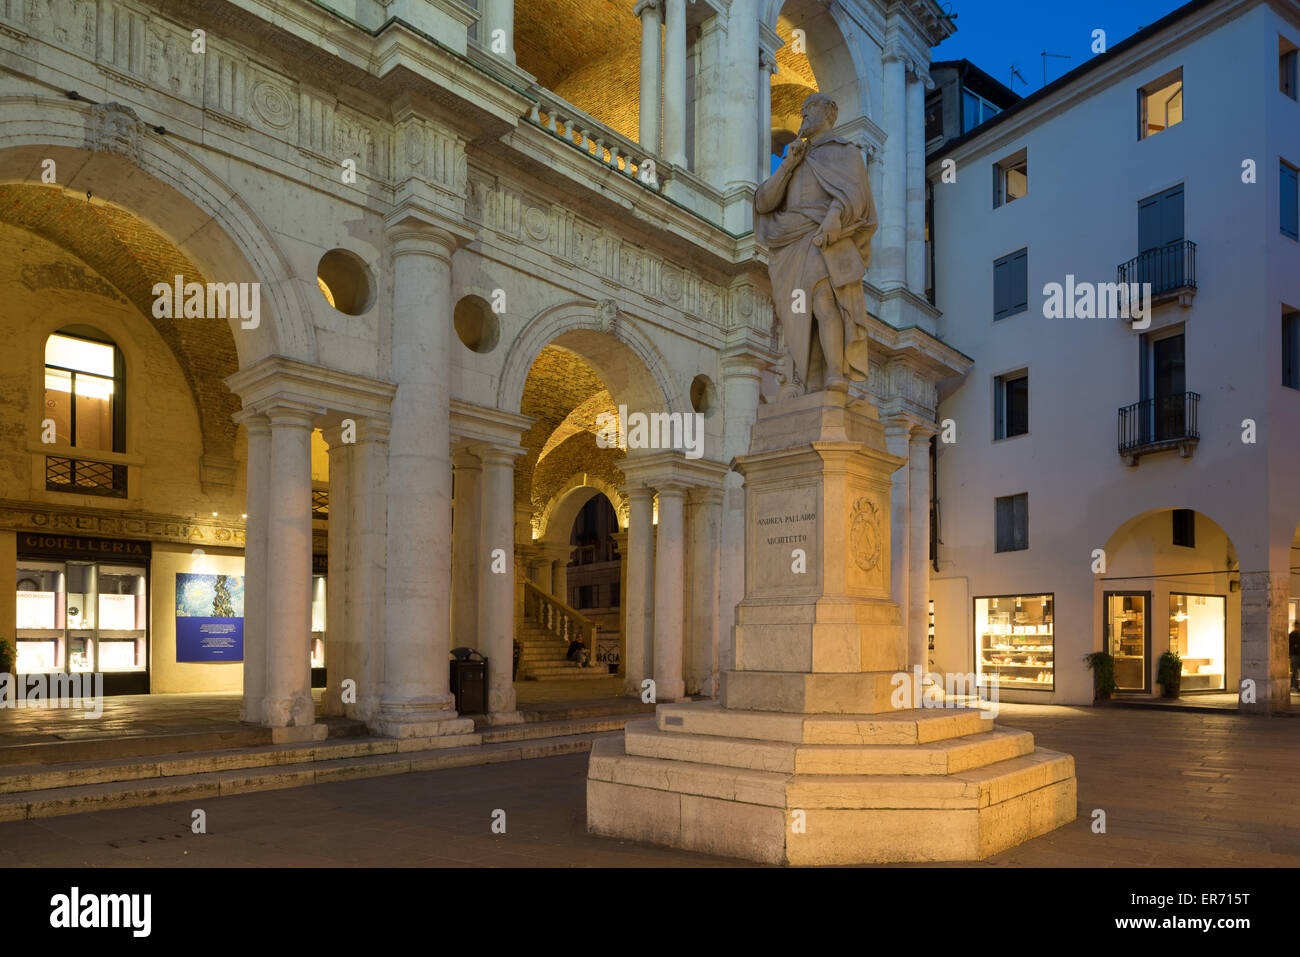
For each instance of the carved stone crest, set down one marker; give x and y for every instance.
(607, 315)
(864, 534)
(114, 128)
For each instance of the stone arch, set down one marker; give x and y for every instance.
(836, 63)
(610, 341)
(559, 514)
(106, 150)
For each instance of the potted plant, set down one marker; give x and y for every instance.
(6, 657)
(1102, 665)
(1170, 673)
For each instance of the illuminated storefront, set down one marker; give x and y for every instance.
(1198, 634)
(1015, 643)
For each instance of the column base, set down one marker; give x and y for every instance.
(501, 702)
(669, 690)
(297, 735)
(428, 718)
(293, 712)
(495, 718)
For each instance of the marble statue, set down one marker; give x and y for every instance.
(817, 216)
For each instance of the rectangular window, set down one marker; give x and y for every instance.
(1010, 179)
(975, 110)
(1012, 405)
(1015, 641)
(1011, 284)
(1286, 67)
(1012, 522)
(1291, 350)
(1184, 527)
(1197, 634)
(1160, 104)
(1289, 201)
(933, 116)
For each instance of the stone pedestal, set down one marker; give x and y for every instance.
(808, 757)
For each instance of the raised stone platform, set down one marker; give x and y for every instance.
(918, 785)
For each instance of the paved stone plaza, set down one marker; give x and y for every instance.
(1179, 790)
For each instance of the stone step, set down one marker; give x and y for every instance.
(914, 726)
(530, 730)
(933, 758)
(97, 745)
(578, 674)
(977, 788)
(209, 783)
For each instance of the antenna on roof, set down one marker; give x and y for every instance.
(1015, 75)
(1045, 55)
(946, 12)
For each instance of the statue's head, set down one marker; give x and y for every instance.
(819, 114)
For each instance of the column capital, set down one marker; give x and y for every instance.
(653, 6)
(497, 455)
(254, 421)
(745, 361)
(767, 61)
(412, 230)
(673, 489)
(638, 493)
(706, 495)
(463, 458)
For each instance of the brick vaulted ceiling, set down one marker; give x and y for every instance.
(564, 394)
(133, 256)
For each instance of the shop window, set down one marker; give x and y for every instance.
(1011, 405)
(1012, 522)
(1184, 521)
(83, 392)
(1015, 641)
(1198, 635)
(1011, 284)
(318, 621)
(1160, 104)
(1010, 179)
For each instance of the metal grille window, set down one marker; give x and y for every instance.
(1012, 522)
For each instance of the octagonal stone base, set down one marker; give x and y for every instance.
(918, 785)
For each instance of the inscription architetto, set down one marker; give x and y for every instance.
(36, 543)
(89, 523)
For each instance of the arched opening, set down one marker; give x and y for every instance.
(1171, 584)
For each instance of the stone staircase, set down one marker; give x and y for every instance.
(58, 778)
(544, 633)
(542, 657)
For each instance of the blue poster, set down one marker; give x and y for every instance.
(209, 617)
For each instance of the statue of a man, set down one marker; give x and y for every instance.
(816, 216)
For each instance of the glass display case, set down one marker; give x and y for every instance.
(81, 617)
(1015, 642)
(318, 621)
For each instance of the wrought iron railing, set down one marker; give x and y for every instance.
(320, 503)
(1167, 269)
(64, 474)
(1161, 422)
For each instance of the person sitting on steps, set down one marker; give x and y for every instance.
(578, 652)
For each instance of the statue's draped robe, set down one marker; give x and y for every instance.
(831, 173)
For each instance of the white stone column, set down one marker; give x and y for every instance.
(368, 551)
(703, 648)
(288, 702)
(918, 549)
(767, 68)
(620, 539)
(498, 15)
(640, 586)
(496, 589)
(256, 533)
(741, 378)
(891, 270)
(338, 637)
(465, 562)
(897, 442)
(651, 14)
(417, 701)
(669, 586)
(675, 82)
(916, 179)
(1264, 653)
(560, 576)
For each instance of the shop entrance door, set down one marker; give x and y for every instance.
(1128, 637)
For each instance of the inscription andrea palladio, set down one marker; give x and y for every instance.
(775, 523)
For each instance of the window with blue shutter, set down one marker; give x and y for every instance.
(1291, 350)
(1011, 284)
(1290, 211)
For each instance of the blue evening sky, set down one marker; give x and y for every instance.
(994, 34)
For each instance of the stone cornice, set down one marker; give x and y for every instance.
(277, 380)
(146, 526)
(655, 469)
(473, 424)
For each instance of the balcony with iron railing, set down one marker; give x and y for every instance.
(1171, 271)
(1159, 424)
(84, 476)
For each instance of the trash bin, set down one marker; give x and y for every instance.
(469, 680)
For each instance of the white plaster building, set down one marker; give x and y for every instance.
(1141, 152)
(463, 257)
